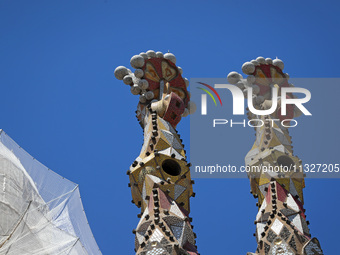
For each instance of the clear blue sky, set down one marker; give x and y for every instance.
(61, 102)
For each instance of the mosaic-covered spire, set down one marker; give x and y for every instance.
(281, 225)
(160, 176)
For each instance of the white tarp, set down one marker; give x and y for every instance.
(41, 213)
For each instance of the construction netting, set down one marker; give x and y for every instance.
(41, 212)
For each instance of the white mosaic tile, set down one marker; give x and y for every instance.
(277, 226)
(291, 203)
(157, 235)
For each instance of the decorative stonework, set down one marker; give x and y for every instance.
(160, 176)
(281, 226)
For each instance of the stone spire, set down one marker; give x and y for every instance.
(281, 225)
(160, 176)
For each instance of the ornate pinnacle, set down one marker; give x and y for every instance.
(160, 176)
(281, 226)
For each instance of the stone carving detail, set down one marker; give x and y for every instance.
(160, 176)
(279, 194)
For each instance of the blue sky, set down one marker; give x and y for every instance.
(61, 102)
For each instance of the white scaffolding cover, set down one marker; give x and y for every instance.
(41, 212)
